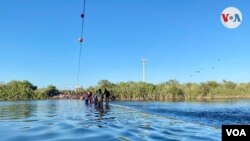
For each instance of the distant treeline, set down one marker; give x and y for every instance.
(170, 90)
(24, 90)
(173, 90)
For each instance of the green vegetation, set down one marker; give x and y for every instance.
(173, 90)
(24, 90)
(170, 90)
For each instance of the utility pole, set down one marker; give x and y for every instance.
(144, 61)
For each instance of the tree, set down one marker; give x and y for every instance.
(17, 90)
(104, 84)
(51, 91)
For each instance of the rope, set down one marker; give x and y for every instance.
(80, 46)
(79, 64)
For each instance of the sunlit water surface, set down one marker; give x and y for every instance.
(72, 120)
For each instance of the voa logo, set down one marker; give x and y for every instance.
(231, 17)
(236, 132)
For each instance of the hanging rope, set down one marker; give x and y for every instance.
(81, 41)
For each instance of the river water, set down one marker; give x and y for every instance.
(72, 120)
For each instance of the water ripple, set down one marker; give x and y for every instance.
(71, 120)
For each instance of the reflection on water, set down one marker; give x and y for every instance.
(16, 111)
(72, 120)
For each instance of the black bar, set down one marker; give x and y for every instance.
(235, 132)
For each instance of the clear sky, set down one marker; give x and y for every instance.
(38, 41)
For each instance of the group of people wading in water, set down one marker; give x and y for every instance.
(98, 98)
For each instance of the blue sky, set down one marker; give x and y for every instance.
(38, 41)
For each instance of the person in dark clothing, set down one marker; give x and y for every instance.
(107, 96)
(85, 97)
(113, 98)
(90, 97)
